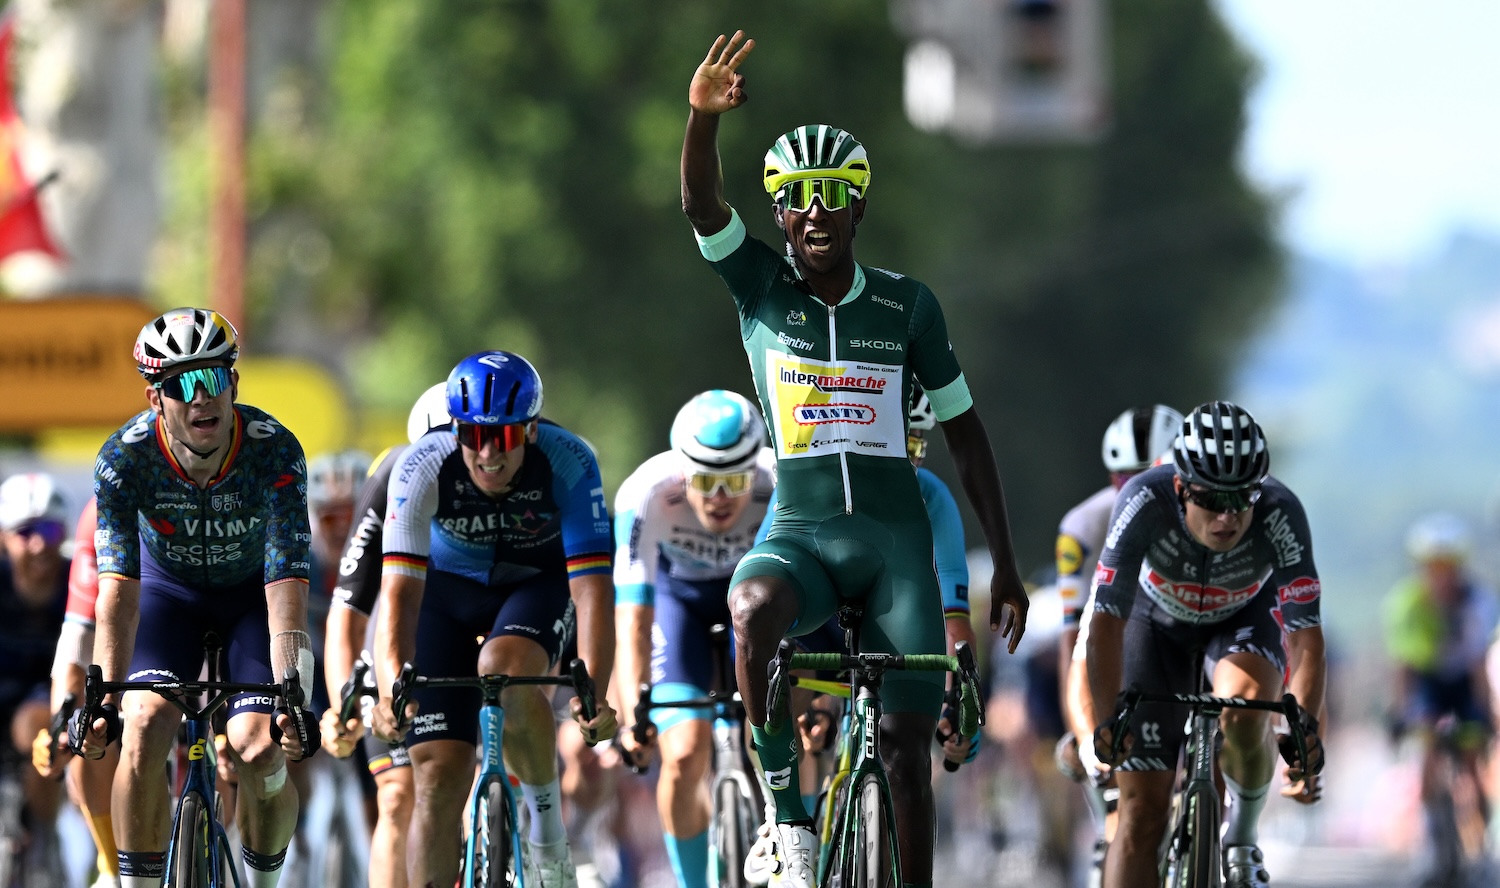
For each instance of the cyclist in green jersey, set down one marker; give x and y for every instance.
(835, 347)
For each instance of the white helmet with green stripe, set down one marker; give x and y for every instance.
(817, 150)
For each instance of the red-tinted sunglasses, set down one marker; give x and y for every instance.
(506, 437)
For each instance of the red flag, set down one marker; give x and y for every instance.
(21, 224)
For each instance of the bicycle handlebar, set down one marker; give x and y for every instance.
(96, 689)
(962, 662)
(1132, 697)
(408, 681)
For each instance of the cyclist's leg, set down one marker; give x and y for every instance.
(89, 785)
(266, 802)
(904, 614)
(777, 587)
(1250, 664)
(394, 799)
(682, 668)
(532, 627)
(1156, 660)
(441, 741)
(1145, 803)
(168, 646)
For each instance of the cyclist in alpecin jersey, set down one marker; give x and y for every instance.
(499, 531)
(202, 526)
(834, 348)
(1206, 558)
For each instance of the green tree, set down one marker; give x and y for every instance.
(504, 174)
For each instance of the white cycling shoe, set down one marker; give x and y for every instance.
(796, 855)
(761, 861)
(1244, 867)
(543, 871)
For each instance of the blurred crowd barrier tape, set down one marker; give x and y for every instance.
(66, 361)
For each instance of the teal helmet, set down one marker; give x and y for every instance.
(719, 431)
(817, 150)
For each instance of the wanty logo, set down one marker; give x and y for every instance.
(817, 414)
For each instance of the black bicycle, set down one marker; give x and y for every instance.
(198, 852)
(1191, 856)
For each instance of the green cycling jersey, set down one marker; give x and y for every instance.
(834, 381)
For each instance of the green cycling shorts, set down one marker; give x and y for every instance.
(886, 566)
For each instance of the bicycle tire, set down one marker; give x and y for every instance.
(871, 859)
(493, 864)
(731, 845)
(192, 853)
(1199, 865)
(831, 833)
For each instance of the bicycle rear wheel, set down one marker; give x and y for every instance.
(871, 855)
(731, 843)
(191, 865)
(493, 861)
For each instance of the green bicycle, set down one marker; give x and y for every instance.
(861, 849)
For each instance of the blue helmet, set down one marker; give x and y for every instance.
(494, 388)
(719, 431)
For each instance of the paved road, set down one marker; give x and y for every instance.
(1334, 867)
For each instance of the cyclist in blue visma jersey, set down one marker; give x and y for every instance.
(202, 526)
(498, 530)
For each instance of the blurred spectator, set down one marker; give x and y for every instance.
(33, 595)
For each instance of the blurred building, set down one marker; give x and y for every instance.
(1021, 71)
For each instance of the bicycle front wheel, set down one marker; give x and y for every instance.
(191, 865)
(493, 861)
(731, 844)
(870, 860)
(1198, 865)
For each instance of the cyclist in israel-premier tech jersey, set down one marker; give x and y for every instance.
(684, 519)
(498, 530)
(202, 527)
(1206, 558)
(350, 632)
(1132, 443)
(834, 348)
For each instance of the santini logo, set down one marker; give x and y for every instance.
(793, 341)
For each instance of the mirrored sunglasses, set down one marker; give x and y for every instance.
(51, 532)
(1223, 502)
(184, 386)
(506, 437)
(834, 194)
(732, 483)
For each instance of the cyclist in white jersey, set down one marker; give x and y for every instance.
(683, 520)
(1132, 442)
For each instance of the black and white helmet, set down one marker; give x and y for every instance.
(1221, 447)
(921, 415)
(184, 336)
(1139, 436)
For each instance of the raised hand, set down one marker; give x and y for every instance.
(717, 84)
